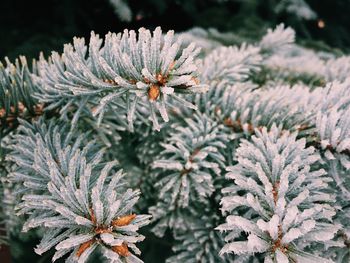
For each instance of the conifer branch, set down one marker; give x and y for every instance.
(286, 197)
(72, 194)
(129, 69)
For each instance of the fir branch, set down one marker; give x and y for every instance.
(200, 243)
(68, 192)
(150, 70)
(279, 204)
(243, 110)
(277, 40)
(16, 94)
(333, 130)
(233, 64)
(299, 8)
(286, 198)
(191, 157)
(185, 171)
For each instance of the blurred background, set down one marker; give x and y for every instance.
(28, 27)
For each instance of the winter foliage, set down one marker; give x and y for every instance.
(284, 197)
(241, 152)
(16, 89)
(127, 71)
(72, 194)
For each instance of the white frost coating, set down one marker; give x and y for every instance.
(274, 175)
(79, 198)
(281, 160)
(74, 241)
(110, 240)
(137, 71)
(278, 39)
(189, 161)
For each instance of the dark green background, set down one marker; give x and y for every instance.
(28, 27)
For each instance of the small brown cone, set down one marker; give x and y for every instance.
(124, 220)
(121, 250)
(153, 92)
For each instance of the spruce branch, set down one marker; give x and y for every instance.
(337, 68)
(191, 157)
(72, 194)
(278, 39)
(201, 242)
(286, 198)
(333, 129)
(284, 201)
(129, 68)
(185, 171)
(242, 109)
(37, 146)
(233, 64)
(16, 93)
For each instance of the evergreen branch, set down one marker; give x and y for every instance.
(191, 157)
(278, 39)
(16, 94)
(78, 201)
(186, 169)
(286, 198)
(148, 69)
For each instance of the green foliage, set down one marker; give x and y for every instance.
(16, 94)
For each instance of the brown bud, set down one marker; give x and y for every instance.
(161, 79)
(195, 152)
(110, 81)
(251, 128)
(228, 122)
(303, 127)
(121, 250)
(38, 108)
(84, 247)
(153, 92)
(10, 120)
(185, 171)
(124, 220)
